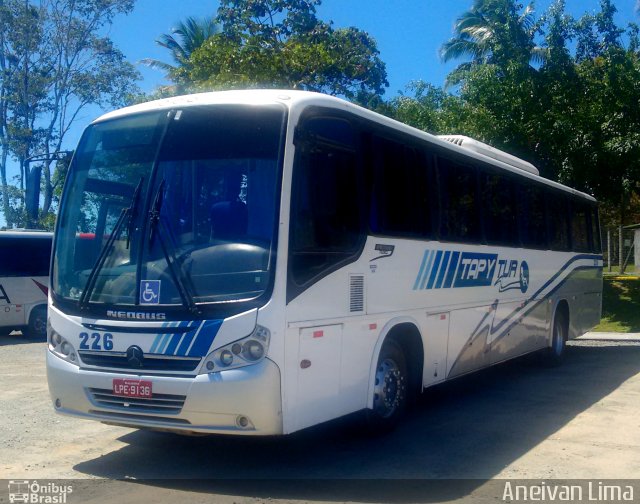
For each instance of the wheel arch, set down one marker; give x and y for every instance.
(405, 331)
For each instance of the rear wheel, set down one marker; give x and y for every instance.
(389, 389)
(555, 354)
(37, 328)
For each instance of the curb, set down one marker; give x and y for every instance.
(609, 336)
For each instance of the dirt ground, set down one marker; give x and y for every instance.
(515, 421)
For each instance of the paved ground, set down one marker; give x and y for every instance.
(518, 420)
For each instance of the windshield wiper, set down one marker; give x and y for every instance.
(156, 224)
(129, 213)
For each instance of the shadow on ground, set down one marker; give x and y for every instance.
(469, 429)
(16, 338)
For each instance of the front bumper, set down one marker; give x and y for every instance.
(213, 403)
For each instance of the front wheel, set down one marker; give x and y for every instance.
(37, 328)
(389, 389)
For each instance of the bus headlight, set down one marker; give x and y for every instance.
(242, 352)
(60, 346)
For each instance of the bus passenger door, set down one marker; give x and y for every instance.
(436, 346)
(318, 389)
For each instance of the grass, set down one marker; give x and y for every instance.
(620, 304)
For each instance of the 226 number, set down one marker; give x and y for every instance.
(96, 341)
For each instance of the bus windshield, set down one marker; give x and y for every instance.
(172, 207)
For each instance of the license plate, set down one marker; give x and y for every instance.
(132, 388)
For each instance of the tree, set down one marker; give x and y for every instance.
(54, 63)
(494, 32)
(281, 43)
(183, 40)
(574, 114)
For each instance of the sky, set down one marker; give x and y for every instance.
(408, 34)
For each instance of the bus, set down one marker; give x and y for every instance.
(257, 262)
(24, 280)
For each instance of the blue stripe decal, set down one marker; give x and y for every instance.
(453, 265)
(163, 343)
(424, 262)
(428, 270)
(443, 269)
(434, 270)
(155, 343)
(186, 342)
(203, 342)
(173, 344)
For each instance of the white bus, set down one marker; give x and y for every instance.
(24, 281)
(257, 262)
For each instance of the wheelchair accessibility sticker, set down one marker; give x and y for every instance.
(149, 292)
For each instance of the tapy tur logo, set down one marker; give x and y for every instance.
(512, 275)
(452, 270)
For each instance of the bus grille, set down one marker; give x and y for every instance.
(159, 403)
(119, 361)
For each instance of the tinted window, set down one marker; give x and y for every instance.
(325, 214)
(400, 200)
(580, 228)
(498, 205)
(459, 202)
(531, 208)
(596, 241)
(21, 256)
(558, 210)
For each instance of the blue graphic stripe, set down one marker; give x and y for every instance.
(428, 270)
(203, 342)
(155, 343)
(434, 269)
(163, 343)
(453, 265)
(536, 303)
(422, 266)
(443, 270)
(173, 343)
(186, 343)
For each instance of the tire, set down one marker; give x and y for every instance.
(37, 328)
(389, 389)
(554, 355)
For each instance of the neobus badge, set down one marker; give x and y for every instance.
(129, 315)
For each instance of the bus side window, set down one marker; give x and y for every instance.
(580, 227)
(532, 215)
(558, 213)
(460, 211)
(400, 197)
(326, 227)
(498, 205)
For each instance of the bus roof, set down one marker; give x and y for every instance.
(296, 100)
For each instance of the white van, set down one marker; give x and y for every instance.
(24, 281)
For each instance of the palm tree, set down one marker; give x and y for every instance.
(493, 31)
(183, 40)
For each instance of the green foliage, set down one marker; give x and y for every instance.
(559, 92)
(282, 44)
(54, 62)
(183, 40)
(620, 305)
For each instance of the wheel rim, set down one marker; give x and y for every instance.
(558, 338)
(389, 388)
(39, 325)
